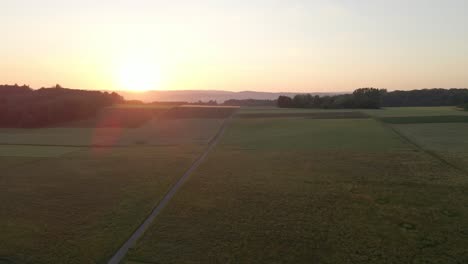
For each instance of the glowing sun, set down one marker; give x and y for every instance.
(138, 75)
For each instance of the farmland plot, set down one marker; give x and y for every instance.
(80, 206)
(292, 190)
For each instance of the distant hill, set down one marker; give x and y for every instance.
(204, 95)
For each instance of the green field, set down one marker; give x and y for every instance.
(417, 111)
(78, 208)
(174, 131)
(269, 110)
(68, 204)
(155, 132)
(448, 142)
(34, 151)
(425, 119)
(284, 190)
(321, 188)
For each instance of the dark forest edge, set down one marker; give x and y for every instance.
(373, 98)
(21, 106)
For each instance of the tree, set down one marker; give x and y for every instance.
(285, 102)
(368, 97)
(250, 102)
(316, 102)
(300, 101)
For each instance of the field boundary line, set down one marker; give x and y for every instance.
(423, 149)
(120, 254)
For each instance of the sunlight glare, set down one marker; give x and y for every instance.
(139, 75)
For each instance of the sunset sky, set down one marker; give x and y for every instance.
(274, 45)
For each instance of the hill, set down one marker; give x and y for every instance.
(204, 95)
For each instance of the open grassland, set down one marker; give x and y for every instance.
(443, 134)
(426, 119)
(179, 126)
(438, 137)
(79, 206)
(301, 186)
(273, 110)
(283, 190)
(384, 112)
(165, 131)
(289, 134)
(313, 115)
(62, 136)
(447, 141)
(34, 151)
(120, 116)
(417, 111)
(155, 132)
(12, 161)
(194, 111)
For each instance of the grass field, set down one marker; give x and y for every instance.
(155, 132)
(278, 134)
(438, 137)
(63, 204)
(34, 151)
(314, 115)
(273, 110)
(125, 126)
(384, 112)
(283, 186)
(164, 131)
(417, 111)
(199, 111)
(426, 119)
(284, 190)
(79, 207)
(62, 136)
(448, 141)
(120, 116)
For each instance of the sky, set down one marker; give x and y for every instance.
(274, 45)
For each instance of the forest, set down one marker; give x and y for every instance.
(373, 98)
(21, 106)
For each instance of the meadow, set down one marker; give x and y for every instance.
(282, 186)
(73, 194)
(122, 126)
(416, 111)
(80, 206)
(299, 190)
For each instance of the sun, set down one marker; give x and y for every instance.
(138, 75)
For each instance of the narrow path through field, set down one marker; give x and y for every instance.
(120, 254)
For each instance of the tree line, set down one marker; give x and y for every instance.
(360, 98)
(373, 98)
(21, 106)
(249, 102)
(426, 97)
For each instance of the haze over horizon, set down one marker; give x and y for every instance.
(259, 45)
